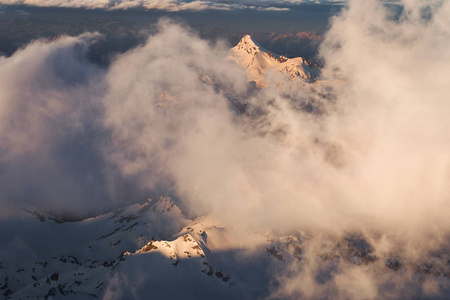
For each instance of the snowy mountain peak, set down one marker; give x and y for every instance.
(258, 61)
(247, 40)
(248, 45)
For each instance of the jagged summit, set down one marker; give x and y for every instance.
(258, 61)
(250, 46)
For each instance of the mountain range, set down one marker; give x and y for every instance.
(153, 250)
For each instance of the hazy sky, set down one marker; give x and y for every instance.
(302, 17)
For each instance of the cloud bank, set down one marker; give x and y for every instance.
(167, 5)
(49, 137)
(355, 163)
(358, 164)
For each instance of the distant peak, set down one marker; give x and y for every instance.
(164, 204)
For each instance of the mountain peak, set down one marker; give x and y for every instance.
(247, 39)
(257, 61)
(248, 45)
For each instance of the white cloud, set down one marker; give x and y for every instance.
(165, 120)
(167, 5)
(390, 138)
(376, 162)
(49, 157)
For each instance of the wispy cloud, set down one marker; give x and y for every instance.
(167, 5)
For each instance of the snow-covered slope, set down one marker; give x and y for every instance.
(260, 63)
(151, 251)
(39, 254)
